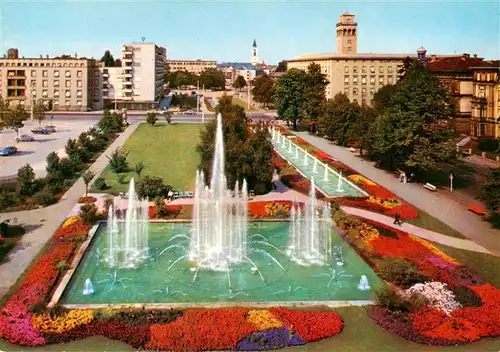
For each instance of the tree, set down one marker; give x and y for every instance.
(239, 83)
(151, 118)
(138, 168)
(290, 95)
(263, 90)
(118, 161)
(52, 166)
(315, 97)
(4, 111)
(282, 66)
(361, 132)
(108, 59)
(87, 177)
(489, 192)
(26, 176)
(14, 118)
(413, 130)
(382, 97)
(338, 118)
(111, 123)
(39, 110)
(213, 78)
(168, 116)
(151, 187)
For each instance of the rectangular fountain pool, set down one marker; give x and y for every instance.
(168, 277)
(325, 177)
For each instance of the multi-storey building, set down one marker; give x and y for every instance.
(68, 82)
(192, 66)
(485, 105)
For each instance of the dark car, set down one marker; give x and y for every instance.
(41, 130)
(8, 150)
(52, 129)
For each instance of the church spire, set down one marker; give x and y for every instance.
(254, 43)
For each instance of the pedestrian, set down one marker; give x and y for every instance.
(397, 219)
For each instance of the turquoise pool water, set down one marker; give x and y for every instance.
(277, 279)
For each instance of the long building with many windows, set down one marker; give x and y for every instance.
(192, 66)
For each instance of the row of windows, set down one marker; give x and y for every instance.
(67, 83)
(355, 91)
(45, 73)
(365, 68)
(364, 80)
(41, 64)
(67, 94)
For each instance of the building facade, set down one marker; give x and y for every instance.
(192, 66)
(67, 82)
(485, 104)
(347, 34)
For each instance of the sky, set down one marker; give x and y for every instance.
(224, 30)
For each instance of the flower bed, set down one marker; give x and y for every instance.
(278, 208)
(173, 210)
(461, 308)
(87, 199)
(25, 321)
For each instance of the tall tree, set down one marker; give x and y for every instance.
(290, 95)
(315, 97)
(413, 130)
(14, 118)
(239, 83)
(213, 78)
(263, 90)
(282, 66)
(4, 111)
(489, 192)
(108, 59)
(339, 117)
(361, 131)
(87, 178)
(39, 110)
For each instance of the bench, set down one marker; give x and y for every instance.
(476, 209)
(430, 187)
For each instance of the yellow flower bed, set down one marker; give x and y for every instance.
(71, 220)
(367, 232)
(434, 250)
(263, 319)
(360, 179)
(384, 202)
(274, 209)
(45, 324)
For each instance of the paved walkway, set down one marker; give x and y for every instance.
(418, 231)
(42, 223)
(449, 212)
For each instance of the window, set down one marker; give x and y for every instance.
(79, 74)
(381, 80)
(381, 69)
(33, 73)
(56, 102)
(67, 84)
(79, 102)
(79, 83)
(363, 91)
(355, 91)
(346, 79)
(45, 93)
(372, 91)
(68, 103)
(78, 93)
(56, 92)
(363, 80)
(56, 83)
(372, 69)
(68, 73)
(355, 80)
(349, 41)
(363, 69)
(68, 94)
(136, 49)
(355, 69)
(33, 83)
(346, 90)
(45, 83)
(389, 79)
(346, 69)
(136, 64)
(45, 73)
(389, 69)
(372, 80)
(56, 73)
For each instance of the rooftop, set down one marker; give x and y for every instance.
(458, 63)
(359, 56)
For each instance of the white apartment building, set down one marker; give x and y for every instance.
(192, 66)
(68, 82)
(138, 83)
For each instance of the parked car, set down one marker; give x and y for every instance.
(25, 138)
(41, 130)
(8, 150)
(189, 112)
(52, 129)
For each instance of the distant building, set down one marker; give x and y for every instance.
(485, 120)
(68, 82)
(192, 66)
(254, 59)
(232, 70)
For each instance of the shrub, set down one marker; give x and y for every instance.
(88, 213)
(120, 178)
(400, 272)
(57, 310)
(388, 297)
(488, 144)
(26, 176)
(100, 184)
(118, 161)
(38, 307)
(160, 207)
(466, 297)
(62, 265)
(151, 187)
(6, 198)
(151, 118)
(44, 197)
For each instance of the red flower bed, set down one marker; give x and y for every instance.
(198, 330)
(311, 326)
(173, 211)
(71, 231)
(405, 210)
(87, 200)
(259, 208)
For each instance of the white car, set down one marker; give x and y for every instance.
(25, 138)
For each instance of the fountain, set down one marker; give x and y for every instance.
(296, 152)
(339, 183)
(325, 177)
(218, 237)
(315, 166)
(88, 289)
(128, 237)
(305, 158)
(290, 146)
(363, 284)
(310, 234)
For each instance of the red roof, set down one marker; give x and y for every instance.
(457, 64)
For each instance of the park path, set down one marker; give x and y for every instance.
(41, 223)
(450, 212)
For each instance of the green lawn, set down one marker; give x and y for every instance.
(167, 151)
(429, 222)
(243, 104)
